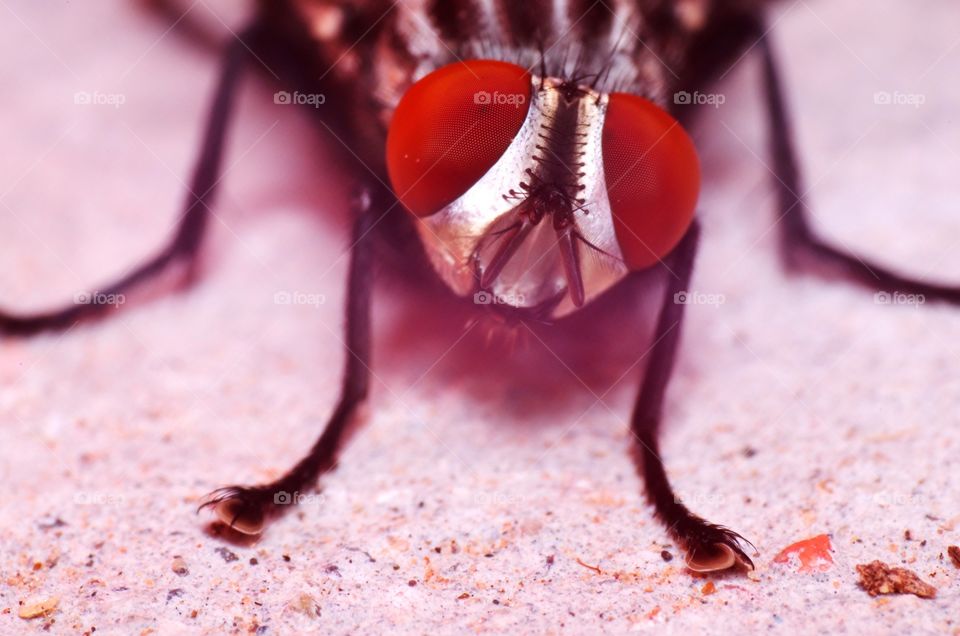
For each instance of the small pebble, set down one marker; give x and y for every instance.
(179, 566)
(37, 606)
(878, 578)
(954, 553)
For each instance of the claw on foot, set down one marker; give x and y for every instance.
(719, 557)
(715, 548)
(243, 509)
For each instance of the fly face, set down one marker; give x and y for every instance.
(529, 139)
(538, 192)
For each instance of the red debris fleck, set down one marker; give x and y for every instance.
(954, 553)
(879, 578)
(590, 567)
(708, 589)
(814, 554)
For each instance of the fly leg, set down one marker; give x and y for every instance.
(178, 17)
(248, 508)
(183, 248)
(798, 239)
(708, 546)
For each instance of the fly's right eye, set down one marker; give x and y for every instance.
(652, 175)
(451, 127)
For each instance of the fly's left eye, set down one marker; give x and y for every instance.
(653, 178)
(451, 127)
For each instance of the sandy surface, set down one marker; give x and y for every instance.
(486, 493)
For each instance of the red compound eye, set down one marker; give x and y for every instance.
(451, 127)
(653, 178)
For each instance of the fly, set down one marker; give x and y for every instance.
(538, 150)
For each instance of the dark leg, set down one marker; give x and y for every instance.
(709, 547)
(798, 238)
(185, 244)
(247, 508)
(178, 16)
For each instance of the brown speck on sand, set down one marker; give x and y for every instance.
(590, 567)
(179, 566)
(35, 607)
(954, 553)
(708, 589)
(879, 578)
(49, 523)
(227, 555)
(666, 555)
(307, 605)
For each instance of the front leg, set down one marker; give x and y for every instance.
(248, 508)
(708, 546)
(798, 238)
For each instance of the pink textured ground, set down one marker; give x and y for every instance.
(483, 494)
